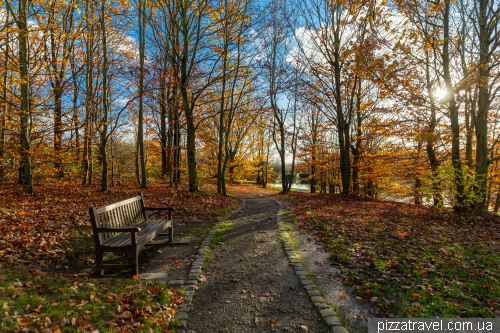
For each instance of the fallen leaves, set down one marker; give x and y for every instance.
(135, 302)
(35, 227)
(397, 248)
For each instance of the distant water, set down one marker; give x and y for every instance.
(295, 186)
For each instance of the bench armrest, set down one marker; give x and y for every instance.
(128, 229)
(172, 209)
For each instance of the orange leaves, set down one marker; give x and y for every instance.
(135, 277)
(35, 227)
(342, 296)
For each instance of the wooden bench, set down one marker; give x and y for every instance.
(124, 227)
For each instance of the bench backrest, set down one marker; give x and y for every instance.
(126, 213)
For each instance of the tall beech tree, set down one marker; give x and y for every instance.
(141, 9)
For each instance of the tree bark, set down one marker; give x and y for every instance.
(89, 45)
(140, 131)
(483, 105)
(25, 112)
(453, 113)
(104, 133)
(3, 125)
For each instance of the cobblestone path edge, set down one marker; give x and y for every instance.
(329, 315)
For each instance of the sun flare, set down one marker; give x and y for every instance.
(440, 93)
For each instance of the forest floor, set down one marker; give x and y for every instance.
(46, 240)
(408, 260)
(372, 258)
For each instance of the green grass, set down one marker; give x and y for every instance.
(424, 283)
(33, 299)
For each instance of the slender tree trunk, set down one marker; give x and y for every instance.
(222, 139)
(140, 132)
(91, 148)
(163, 129)
(313, 152)
(177, 139)
(430, 139)
(88, 93)
(453, 111)
(112, 166)
(342, 125)
(191, 150)
(3, 125)
(170, 138)
(356, 152)
(468, 126)
(497, 202)
(76, 125)
(25, 112)
(137, 164)
(58, 129)
(164, 134)
(104, 134)
(188, 109)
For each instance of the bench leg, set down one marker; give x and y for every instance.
(171, 233)
(98, 262)
(135, 262)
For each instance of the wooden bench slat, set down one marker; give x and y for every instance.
(118, 204)
(147, 228)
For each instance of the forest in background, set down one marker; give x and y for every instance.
(364, 96)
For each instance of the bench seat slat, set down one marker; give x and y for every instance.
(149, 230)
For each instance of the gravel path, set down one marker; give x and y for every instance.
(250, 286)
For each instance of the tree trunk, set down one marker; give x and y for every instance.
(356, 152)
(497, 202)
(191, 151)
(91, 149)
(170, 139)
(470, 115)
(221, 159)
(140, 131)
(137, 164)
(4, 107)
(454, 114)
(163, 130)
(188, 108)
(483, 105)
(58, 130)
(342, 125)
(89, 45)
(25, 112)
(112, 166)
(104, 134)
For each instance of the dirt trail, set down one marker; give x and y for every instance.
(250, 286)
